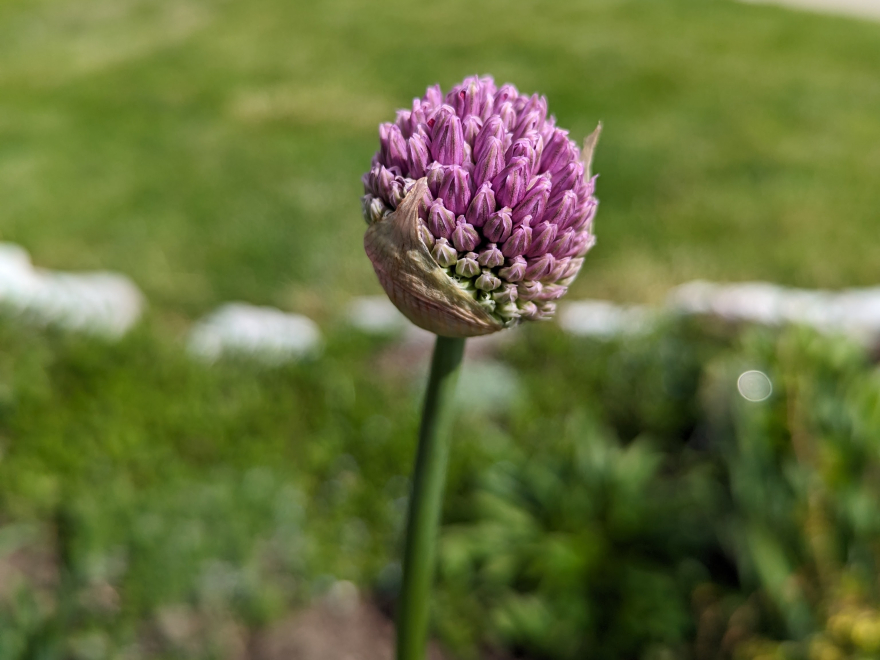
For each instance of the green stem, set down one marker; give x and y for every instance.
(426, 500)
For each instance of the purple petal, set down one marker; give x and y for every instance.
(441, 221)
(490, 163)
(465, 238)
(455, 189)
(510, 184)
(491, 257)
(519, 242)
(471, 126)
(565, 179)
(515, 270)
(492, 127)
(507, 92)
(534, 201)
(562, 244)
(543, 236)
(417, 156)
(447, 138)
(562, 213)
(540, 267)
(482, 206)
(555, 150)
(499, 225)
(434, 173)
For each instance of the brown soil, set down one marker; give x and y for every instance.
(358, 631)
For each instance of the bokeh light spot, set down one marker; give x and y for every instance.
(754, 386)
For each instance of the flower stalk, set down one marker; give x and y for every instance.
(426, 500)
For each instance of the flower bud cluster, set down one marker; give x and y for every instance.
(509, 207)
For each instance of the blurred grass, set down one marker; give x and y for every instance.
(212, 149)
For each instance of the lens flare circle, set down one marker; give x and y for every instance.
(754, 386)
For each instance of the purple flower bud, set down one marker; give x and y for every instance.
(543, 236)
(444, 254)
(374, 208)
(539, 268)
(526, 123)
(583, 216)
(434, 96)
(559, 268)
(393, 146)
(397, 191)
(491, 257)
(426, 235)
(547, 129)
(435, 172)
(591, 185)
(510, 184)
(404, 122)
(417, 156)
(441, 221)
(465, 238)
(467, 266)
(508, 116)
(467, 98)
(506, 293)
(562, 244)
(471, 126)
(546, 310)
(489, 89)
(507, 310)
(537, 104)
(538, 144)
(425, 205)
(499, 225)
(529, 290)
(381, 179)
(507, 92)
(455, 189)
(491, 162)
(492, 127)
(562, 212)
(519, 242)
(523, 148)
(565, 178)
(418, 115)
(580, 244)
(527, 309)
(571, 271)
(487, 281)
(515, 270)
(468, 160)
(481, 206)
(534, 201)
(423, 131)
(447, 138)
(552, 292)
(555, 150)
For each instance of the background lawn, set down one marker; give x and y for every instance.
(213, 149)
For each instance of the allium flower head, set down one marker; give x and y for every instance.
(479, 207)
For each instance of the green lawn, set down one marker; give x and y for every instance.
(213, 149)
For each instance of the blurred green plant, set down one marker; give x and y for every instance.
(583, 547)
(628, 502)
